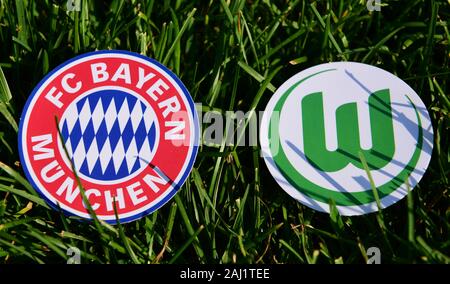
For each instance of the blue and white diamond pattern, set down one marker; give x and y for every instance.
(109, 134)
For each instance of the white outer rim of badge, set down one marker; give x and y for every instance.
(178, 181)
(288, 187)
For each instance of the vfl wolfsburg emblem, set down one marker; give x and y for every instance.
(321, 121)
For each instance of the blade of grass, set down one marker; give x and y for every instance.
(186, 244)
(5, 98)
(169, 227)
(189, 227)
(380, 217)
(176, 42)
(123, 237)
(410, 202)
(292, 250)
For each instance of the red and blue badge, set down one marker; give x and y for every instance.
(124, 122)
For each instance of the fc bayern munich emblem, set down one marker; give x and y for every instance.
(123, 122)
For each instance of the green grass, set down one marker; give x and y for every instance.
(231, 55)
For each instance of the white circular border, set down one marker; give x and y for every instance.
(83, 59)
(396, 195)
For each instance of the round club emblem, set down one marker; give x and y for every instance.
(122, 121)
(327, 126)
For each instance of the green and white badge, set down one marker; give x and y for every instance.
(321, 121)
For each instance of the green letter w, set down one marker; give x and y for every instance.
(383, 145)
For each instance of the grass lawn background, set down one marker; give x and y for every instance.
(231, 55)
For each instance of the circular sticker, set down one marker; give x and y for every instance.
(328, 126)
(126, 125)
